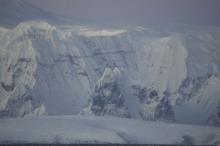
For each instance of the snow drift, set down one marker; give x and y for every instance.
(93, 129)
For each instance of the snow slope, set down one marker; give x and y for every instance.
(90, 129)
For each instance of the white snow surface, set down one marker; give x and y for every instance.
(92, 33)
(92, 129)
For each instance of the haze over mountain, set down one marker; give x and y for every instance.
(197, 12)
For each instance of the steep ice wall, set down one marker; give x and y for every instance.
(17, 75)
(163, 63)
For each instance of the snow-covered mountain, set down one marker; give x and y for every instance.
(145, 72)
(60, 67)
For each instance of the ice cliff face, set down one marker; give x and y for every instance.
(17, 75)
(163, 74)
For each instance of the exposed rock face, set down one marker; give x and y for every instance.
(107, 98)
(23, 106)
(154, 106)
(164, 110)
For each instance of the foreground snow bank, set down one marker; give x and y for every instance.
(92, 129)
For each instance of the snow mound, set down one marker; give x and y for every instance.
(92, 129)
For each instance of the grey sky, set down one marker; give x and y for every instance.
(204, 12)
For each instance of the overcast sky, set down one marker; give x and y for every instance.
(204, 12)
